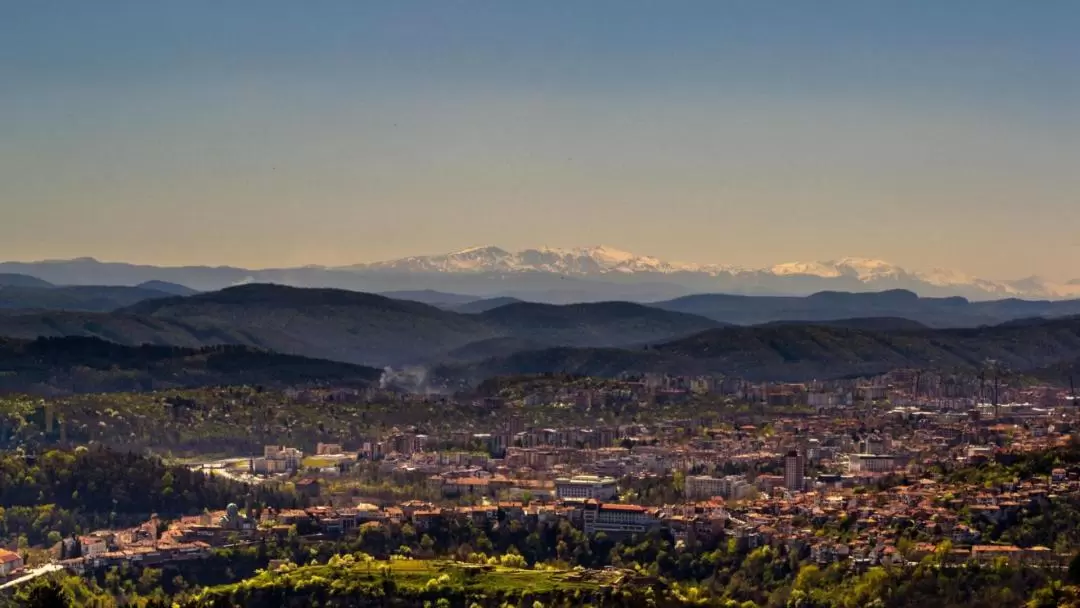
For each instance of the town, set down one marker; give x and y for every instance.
(845, 472)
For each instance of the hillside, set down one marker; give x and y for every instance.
(10, 279)
(479, 306)
(325, 323)
(374, 330)
(803, 351)
(173, 289)
(829, 306)
(492, 347)
(78, 365)
(351, 326)
(599, 324)
(432, 297)
(87, 298)
(867, 323)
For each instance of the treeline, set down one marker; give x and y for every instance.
(91, 365)
(59, 493)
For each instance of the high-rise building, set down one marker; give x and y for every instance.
(795, 471)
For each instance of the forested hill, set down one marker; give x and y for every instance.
(75, 365)
(803, 351)
(350, 326)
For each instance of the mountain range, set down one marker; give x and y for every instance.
(806, 351)
(349, 326)
(562, 276)
(825, 335)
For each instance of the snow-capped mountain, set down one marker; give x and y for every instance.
(586, 261)
(609, 263)
(563, 276)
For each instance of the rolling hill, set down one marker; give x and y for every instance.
(796, 352)
(172, 289)
(87, 298)
(10, 279)
(600, 338)
(479, 306)
(350, 326)
(327, 323)
(830, 306)
(76, 365)
(599, 324)
(432, 297)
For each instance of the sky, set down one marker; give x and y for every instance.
(277, 133)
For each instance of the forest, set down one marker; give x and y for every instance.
(46, 497)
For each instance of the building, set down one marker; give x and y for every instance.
(586, 486)
(871, 463)
(730, 487)
(9, 562)
(277, 459)
(616, 520)
(795, 471)
(324, 449)
(92, 546)
(703, 486)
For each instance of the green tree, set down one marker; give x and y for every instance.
(45, 593)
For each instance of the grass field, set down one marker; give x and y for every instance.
(425, 575)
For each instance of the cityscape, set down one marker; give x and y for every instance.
(607, 304)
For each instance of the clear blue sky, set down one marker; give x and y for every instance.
(927, 133)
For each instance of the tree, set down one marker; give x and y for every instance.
(45, 594)
(1074, 570)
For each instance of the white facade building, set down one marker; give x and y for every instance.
(586, 486)
(871, 463)
(617, 519)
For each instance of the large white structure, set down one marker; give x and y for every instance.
(277, 459)
(586, 486)
(731, 487)
(617, 519)
(871, 463)
(703, 486)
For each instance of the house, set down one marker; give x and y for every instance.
(988, 553)
(9, 562)
(324, 449)
(92, 546)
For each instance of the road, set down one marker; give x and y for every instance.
(222, 468)
(31, 575)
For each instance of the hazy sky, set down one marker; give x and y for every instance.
(927, 133)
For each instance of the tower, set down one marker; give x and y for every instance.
(795, 471)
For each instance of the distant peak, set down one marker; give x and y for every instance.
(479, 249)
(606, 261)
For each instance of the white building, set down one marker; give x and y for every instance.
(324, 449)
(277, 459)
(586, 486)
(615, 519)
(703, 486)
(9, 562)
(871, 463)
(731, 487)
